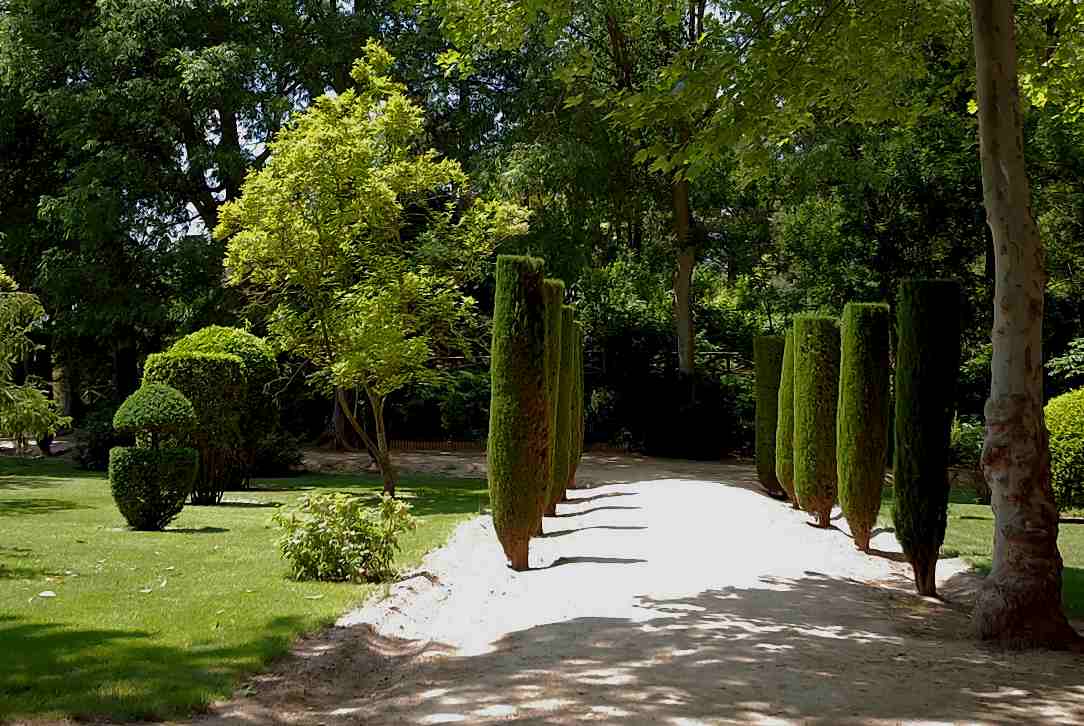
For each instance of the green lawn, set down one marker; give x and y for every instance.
(152, 625)
(970, 535)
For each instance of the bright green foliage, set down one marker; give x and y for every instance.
(151, 485)
(554, 295)
(519, 420)
(565, 412)
(862, 416)
(24, 410)
(768, 364)
(784, 431)
(816, 395)
(367, 305)
(578, 404)
(335, 537)
(215, 384)
(927, 364)
(1065, 422)
(155, 409)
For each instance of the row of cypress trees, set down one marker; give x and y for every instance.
(536, 414)
(825, 388)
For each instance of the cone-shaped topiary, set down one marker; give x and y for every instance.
(579, 406)
(554, 296)
(816, 394)
(862, 417)
(768, 365)
(564, 407)
(927, 364)
(519, 418)
(784, 430)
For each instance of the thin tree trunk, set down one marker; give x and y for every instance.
(387, 468)
(383, 460)
(1019, 603)
(683, 279)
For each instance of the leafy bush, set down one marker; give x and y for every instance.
(259, 415)
(97, 437)
(277, 454)
(151, 485)
(215, 384)
(1065, 421)
(157, 410)
(335, 537)
(965, 442)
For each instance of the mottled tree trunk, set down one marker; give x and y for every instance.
(683, 278)
(1019, 603)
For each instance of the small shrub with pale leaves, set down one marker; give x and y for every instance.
(337, 537)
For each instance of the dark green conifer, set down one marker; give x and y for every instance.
(768, 364)
(564, 407)
(816, 395)
(784, 431)
(554, 292)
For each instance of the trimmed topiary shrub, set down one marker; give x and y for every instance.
(554, 297)
(259, 414)
(1065, 421)
(927, 364)
(150, 484)
(579, 405)
(518, 412)
(565, 411)
(862, 416)
(215, 384)
(816, 395)
(784, 430)
(768, 365)
(97, 436)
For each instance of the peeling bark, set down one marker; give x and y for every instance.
(1019, 603)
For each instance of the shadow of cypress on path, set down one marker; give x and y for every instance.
(724, 607)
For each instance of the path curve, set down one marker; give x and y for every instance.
(680, 599)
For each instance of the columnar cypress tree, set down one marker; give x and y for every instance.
(554, 292)
(784, 431)
(816, 395)
(564, 408)
(927, 363)
(519, 420)
(862, 428)
(768, 364)
(578, 404)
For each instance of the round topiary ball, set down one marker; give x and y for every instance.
(1065, 421)
(155, 409)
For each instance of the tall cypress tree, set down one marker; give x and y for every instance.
(784, 431)
(564, 408)
(927, 364)
(816, 395)
(578, 404)
(862, 429)
(519, 420)
(768, 364)
(554, 292)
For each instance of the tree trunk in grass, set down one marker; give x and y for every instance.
(519, 437)
(1019, 603)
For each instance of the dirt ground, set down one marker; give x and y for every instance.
(664, 592)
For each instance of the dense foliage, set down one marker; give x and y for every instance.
(862, 415)
(816, 396)
(1065, 421)
(519, 421)
(554, 295)
(150, 486)
(784, 431)
(338, 537)
(157, 410)
(768, 362)
(927, 363)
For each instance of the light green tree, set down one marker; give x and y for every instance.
(358, 241)
(24, 410)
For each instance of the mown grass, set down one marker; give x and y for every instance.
(970, 535)
(155, 625)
